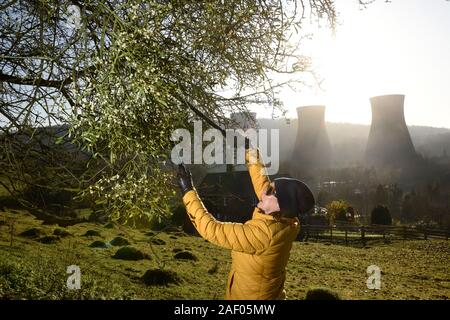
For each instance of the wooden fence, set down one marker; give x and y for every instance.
(354, 233)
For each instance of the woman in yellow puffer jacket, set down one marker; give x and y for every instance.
(261, 246)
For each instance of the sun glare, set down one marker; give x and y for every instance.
(377, 51)
(354, 65)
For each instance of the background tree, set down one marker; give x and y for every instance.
(381, 215)
(381, 195)
(337, 211)
(395, 194)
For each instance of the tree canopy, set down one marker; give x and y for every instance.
(120, 76)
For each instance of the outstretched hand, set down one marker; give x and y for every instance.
(184, 179)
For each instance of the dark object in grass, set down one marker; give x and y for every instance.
(150, 233)
(49, 239)
(214, 268)
(185, 255)
(61, 233)
(173, 237)
(119, 242)
(321, 294)
(158, 277)
(6, 268)
(158, 242)
(92, 233)
(130, 253)
(98, 244)
(31, 233)
(175, 250)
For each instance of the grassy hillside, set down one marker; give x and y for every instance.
(36, 264)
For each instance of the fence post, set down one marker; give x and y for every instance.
(331, 234)
(346, 241)
(12, 233)
(404, 232)
(425, 235)
(363, 238)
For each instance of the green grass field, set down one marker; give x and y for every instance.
(30, 269)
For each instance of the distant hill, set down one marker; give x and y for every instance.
(349, 140)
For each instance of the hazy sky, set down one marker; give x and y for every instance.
(398, 47)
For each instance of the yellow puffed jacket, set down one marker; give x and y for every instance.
(260, 247)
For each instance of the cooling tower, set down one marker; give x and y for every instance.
(312, 148)
(389, 141)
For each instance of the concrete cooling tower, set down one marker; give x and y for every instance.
(312, 148)
(389, 141)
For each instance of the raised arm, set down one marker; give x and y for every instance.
(252, 237)
(257, 171)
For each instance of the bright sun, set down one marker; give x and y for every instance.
(354, 67)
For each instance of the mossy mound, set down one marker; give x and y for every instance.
(49, 239)
(181, 234)
(158, 277)
(185, 255)
(321, 294)
(119, 242)
(31, 233)
(130, 253)
(98, 244)
(92, 233)
(61, 233)
(158, 242)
